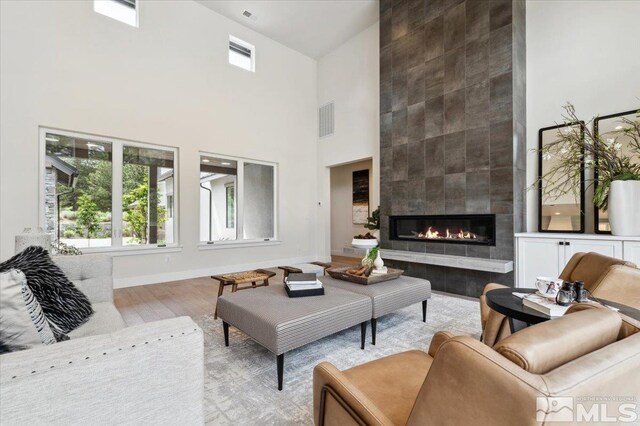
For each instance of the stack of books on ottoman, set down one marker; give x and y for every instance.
(301, 285)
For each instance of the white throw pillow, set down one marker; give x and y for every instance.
(22, 322)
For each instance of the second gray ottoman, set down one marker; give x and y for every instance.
(280, 323)
(387, 296)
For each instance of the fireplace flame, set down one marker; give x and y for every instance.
(434, 234)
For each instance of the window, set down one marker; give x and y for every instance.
(122, 10)
(241, 54)
(103, 192)
(237, 199)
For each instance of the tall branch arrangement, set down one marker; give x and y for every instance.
(576, 144)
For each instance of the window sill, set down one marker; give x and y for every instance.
(131, 251)
(237, 244)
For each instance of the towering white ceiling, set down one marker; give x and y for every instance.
(312, 27)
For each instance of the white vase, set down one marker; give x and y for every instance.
(378, 262)
(624, 208)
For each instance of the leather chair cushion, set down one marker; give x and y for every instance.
(392, 383)
(620, 284)
(589, 268)
(543, 347)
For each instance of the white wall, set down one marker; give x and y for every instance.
(584, 52)
(342, 227)
(350, 77)
(167, 83)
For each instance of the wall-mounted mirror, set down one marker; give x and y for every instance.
(558, 210)
(611, 128)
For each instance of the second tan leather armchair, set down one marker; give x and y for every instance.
(588, 267)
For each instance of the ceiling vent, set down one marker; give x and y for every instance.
(249, 15)
(326, 120)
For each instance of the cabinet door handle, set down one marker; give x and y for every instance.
(567, 243)
(561, 243)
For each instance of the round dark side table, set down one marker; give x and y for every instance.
(503, 301)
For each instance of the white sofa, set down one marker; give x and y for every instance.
(107, 373)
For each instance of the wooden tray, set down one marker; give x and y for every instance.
(340, 273)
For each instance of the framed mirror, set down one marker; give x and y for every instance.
(611, 128)
(558, 211)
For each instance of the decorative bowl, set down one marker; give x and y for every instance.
(364, 243)
(548, 287)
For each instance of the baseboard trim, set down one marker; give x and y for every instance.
(204, 272)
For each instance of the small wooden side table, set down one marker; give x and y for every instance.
(234, 279)
(294, 270)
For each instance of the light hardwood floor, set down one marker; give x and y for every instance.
(194, 297)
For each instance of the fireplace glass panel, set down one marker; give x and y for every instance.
(453, 229)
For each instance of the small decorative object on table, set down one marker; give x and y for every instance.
(566, 294)
(302, 285)
(580, 292)
(356, 274)
(374, 263)
(548, 287)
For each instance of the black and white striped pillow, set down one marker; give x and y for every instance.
(37, 315)
(65, 307)
(22, 322)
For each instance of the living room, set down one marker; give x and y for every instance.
(172, 171)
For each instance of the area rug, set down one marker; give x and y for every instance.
(241, 383)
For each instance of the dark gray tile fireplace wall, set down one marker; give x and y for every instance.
(452, 117)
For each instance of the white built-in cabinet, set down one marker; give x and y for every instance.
(545, 255)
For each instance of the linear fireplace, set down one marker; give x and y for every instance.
(453, 229)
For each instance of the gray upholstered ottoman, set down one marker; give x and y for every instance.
(387, 296)
(280, 323)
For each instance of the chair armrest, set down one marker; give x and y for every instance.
(336, 401)
(495, 326)
(146, 374)
(438, 339)
(484, 309)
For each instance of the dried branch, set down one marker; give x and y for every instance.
(576, 145)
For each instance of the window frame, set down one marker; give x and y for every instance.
(136, 9)
(117, 149)
(246, 45)
(239, 206)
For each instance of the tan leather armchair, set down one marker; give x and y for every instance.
(619, 283)
(588, 267)
(591, 352)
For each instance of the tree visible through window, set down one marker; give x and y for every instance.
(79, 200)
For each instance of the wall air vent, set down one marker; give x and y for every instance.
(249, 15)
(326, 120)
